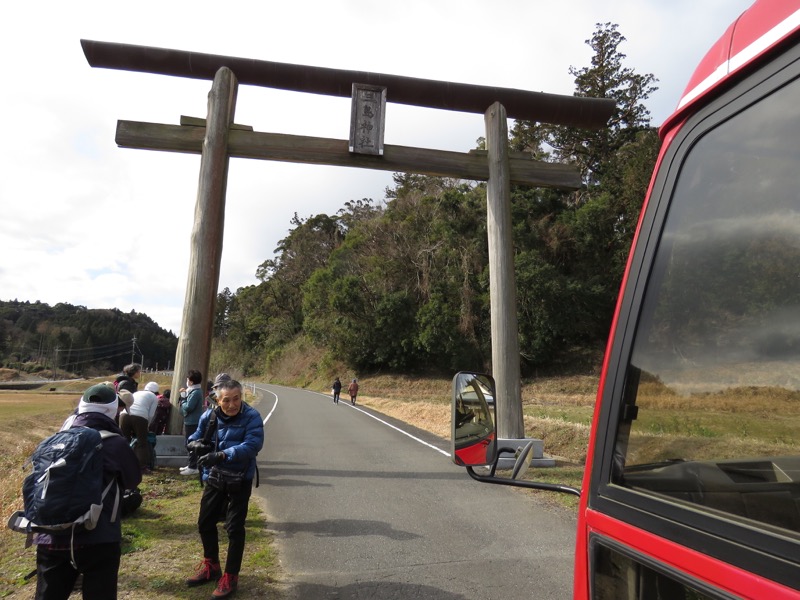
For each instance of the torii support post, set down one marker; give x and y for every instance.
(502, 285)
(194, 342)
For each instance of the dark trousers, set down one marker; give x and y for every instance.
(55, 575)
(216, 506)
(133, 426)
(189, 430)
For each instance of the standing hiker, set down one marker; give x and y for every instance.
(336, 389)
(191, 405)
(95, 553)
(352, 389)
(232, 434)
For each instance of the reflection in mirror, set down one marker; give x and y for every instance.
(474, 442)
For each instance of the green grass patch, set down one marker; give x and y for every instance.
(161, 546)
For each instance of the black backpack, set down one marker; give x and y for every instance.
(64, 492)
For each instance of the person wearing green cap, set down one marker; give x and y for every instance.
(93, 553)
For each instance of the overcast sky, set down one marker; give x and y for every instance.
(87, 223)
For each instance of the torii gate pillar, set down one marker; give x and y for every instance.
(194, 341)
(502, 285)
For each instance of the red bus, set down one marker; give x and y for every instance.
(692, 481)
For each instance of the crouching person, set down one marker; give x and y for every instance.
(232, 435)
(94, 553)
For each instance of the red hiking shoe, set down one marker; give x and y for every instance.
(226, 586)
(208, 570)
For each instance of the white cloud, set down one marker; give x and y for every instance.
(99, 226)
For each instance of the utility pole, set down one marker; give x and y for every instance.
(55, 364)
(133, 348)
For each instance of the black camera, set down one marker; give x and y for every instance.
(198, 448)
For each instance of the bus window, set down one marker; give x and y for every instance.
(616, 575)
(712, 393)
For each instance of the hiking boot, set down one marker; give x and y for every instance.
(208, 570)
(226, 586)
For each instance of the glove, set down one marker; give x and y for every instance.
(211, 459)
(199, 446)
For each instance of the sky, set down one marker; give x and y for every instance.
(87, 223)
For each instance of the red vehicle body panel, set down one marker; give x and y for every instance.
(475, 454)
(760, 29)
(746, 44)
(720, 575)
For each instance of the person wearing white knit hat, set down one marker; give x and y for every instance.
(94, 553)
(136, 421)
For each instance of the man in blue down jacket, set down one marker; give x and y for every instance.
(96, 552)
(237, 440)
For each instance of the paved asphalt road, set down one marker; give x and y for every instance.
(362, 511)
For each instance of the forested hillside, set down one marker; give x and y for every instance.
(75, 340)
(402, 285)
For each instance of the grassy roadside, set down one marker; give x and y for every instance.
(557, 410)
(160, 542)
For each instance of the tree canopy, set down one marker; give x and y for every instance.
(402, 285)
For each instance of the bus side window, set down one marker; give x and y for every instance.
(617, 576)
(709, 414)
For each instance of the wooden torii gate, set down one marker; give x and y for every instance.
(217, 138)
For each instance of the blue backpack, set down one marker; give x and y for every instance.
(65, 492)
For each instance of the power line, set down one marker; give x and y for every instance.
(118, 345)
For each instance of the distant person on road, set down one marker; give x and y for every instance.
(237, 433)
(352, 389)
(336, 389)
(191, 405)
(129, 379)
(135, 423)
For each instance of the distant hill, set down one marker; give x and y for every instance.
(67, 339)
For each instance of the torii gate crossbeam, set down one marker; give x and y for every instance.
(591, 113)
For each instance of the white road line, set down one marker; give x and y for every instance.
(416, 439)
(362, 411)
(269, 416)
(413, 437)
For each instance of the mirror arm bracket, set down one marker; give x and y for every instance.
(533, 485)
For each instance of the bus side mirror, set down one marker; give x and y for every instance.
(473, 435)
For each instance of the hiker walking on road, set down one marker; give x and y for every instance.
(336, 389)
(94, 553)
(237, 434)
(352, 389)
